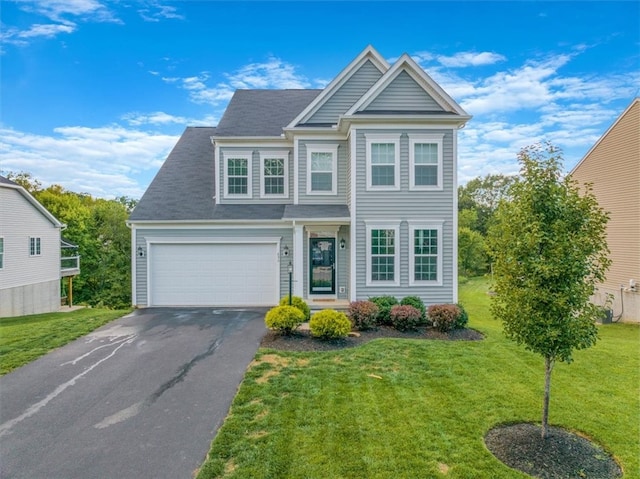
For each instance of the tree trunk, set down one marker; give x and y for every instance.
(548, 367)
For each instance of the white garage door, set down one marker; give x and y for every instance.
(213, 274)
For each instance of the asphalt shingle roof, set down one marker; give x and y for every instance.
(184, 187)
(316, 211)
(263, 112)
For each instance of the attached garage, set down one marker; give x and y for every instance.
(213, 274)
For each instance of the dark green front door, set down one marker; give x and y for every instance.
(322, 261)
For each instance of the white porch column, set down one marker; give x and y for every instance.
(298, 260)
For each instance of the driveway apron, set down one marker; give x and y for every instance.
(141, 397)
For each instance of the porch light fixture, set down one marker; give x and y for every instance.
(285, 251)
(141, 252)
(343, 244)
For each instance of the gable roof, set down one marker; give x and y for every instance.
(633, 103)
(184, 187)
(7, 183)
(406, 64)
(262, 112)
(368, 54)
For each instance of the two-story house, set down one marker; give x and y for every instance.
(31, 266)
(350, 191)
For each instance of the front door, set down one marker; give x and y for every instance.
(322, 259)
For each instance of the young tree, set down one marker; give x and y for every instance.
(549, 248)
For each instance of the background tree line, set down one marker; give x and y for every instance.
(98, 227)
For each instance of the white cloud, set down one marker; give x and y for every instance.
(465, 59)
(58, 10)
(104, 162)
(153, 11)
(162, 118)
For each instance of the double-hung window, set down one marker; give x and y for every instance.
(1, 253)
(425, 248)
(237, 174)
(322, 169)
(383, 161)
(425, 162)
(34, 246)
(274, 175)
(383, 254)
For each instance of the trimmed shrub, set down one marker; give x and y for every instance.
(405, 317)
(443, 316)
(284, 319)
(417, 303)
(297, 302)
(329, 324)
(384, 304)
(463, 318)
(363, 314)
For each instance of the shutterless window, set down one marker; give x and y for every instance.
(425, 250)
(383, 164)
(383, 254)
(321, 171)
(237, 176)
(274, 176)
(426, 164)
(34, 246)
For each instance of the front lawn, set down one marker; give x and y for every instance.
(25, 338)
(420, 408)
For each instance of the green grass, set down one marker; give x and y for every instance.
(415, 408)
(25, 338)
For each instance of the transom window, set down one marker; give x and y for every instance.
(322, 169)
(274, 175)
(237, 175)
(425, 157)
(382, 254)
(383, 161)
(34, 246)
(426, 254)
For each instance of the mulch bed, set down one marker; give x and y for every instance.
(301, 339)
(562, 455)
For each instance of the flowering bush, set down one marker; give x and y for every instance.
(329, 324)
(443, 316)
(363, 314)
(297, 302)
(405, 317)
(284, 319)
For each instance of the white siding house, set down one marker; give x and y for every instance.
(29, 254)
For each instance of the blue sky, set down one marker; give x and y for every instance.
(95, 93)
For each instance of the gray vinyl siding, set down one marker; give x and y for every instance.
(349, 93)
(403, 206)
(348, 173)
(341, 196)
(255, 177)
(404, 94)
(285, 233)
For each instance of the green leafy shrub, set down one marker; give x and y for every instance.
(297, 302)
(329, 324)
(284, 319)
(417, 303)
(443, 316)
(405, 317)
(363, 314)
(384, 304)
(463, 318)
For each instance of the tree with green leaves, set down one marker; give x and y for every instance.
(549, 248)
(479, 199)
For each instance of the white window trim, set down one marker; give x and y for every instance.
(320, 148)
(248, 155)
(422, 225)
(395, 226)
(37, 246)
(274, 155)
(414, 139)
(374, 138)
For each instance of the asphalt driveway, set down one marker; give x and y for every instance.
(141, 397)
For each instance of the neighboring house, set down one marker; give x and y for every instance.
(612, 166)
(30, 267)
(351, 190)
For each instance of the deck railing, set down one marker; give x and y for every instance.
(70, 265)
